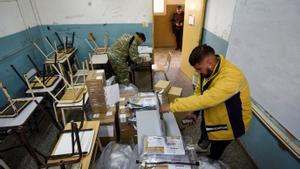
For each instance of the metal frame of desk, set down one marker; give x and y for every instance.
(17, 124)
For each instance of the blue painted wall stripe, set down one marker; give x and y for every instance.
(13, 51)
(220, 45)
(81, 32)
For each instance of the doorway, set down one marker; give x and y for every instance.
(162, 27)
(164, 40)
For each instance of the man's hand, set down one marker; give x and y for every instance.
(192, 116)
(164, 108)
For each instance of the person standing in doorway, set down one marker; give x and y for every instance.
(177, 26)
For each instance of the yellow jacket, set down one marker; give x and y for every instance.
(225, 99)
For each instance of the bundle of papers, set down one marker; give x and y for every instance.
(112, 94)
(144, 49)
(146, 56)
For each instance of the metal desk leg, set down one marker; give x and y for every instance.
(99, 144)
(63, 116)
(61, 69)
(151, 75)
(55, 112)
(3, 164)
(32, 151)
(84, 115)
(70, 67)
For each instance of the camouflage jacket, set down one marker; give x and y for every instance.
(120, 51)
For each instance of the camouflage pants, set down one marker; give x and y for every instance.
(121, 71)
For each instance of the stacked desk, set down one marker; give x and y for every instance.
(86, 160)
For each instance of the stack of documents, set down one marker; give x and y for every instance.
(145, 49)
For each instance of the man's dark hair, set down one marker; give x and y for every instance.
(141, 35)
(179, 7)
(199, 53)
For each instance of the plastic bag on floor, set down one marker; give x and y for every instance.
(127, 91)
(207, 163)
(118, 156)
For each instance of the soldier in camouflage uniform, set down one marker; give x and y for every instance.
(125, 49)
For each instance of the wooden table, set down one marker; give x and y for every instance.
(86, 159)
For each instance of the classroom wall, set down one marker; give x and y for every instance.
(217, 26)
(261, 145)
(99, 16)
(82, 30)
(23, 21)
(17, 29)
(191, 33)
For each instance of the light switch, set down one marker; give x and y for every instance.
(191, 20)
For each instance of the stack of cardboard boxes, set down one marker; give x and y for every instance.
(95, 83)
(107, 130)
(128, 134)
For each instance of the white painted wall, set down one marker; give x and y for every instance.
(94, 11)
(15, 16)
(218, 17)
(10, 17)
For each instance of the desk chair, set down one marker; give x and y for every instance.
(69, 96)
(59, 58)
(91, 41)
(48, 78)
(80, 76)
(163, 68)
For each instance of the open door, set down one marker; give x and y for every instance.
(163, 11)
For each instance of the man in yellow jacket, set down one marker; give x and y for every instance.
(222, 95)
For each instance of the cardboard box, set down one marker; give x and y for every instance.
(174, 93)
(95, 83)
(107, 130)
(95, 75)
(162, 85)
(107, 133)
(97, 106)
(128, 135)
(105, 118)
